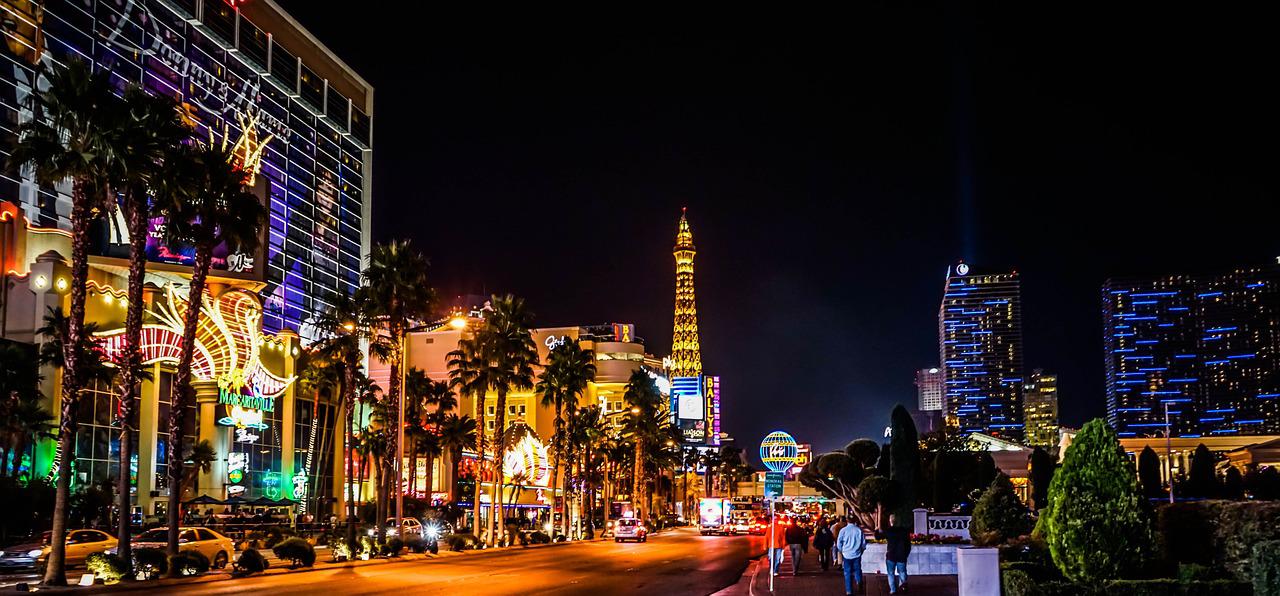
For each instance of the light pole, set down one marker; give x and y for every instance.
(1168, 449)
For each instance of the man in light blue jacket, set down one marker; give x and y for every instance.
(850, 544)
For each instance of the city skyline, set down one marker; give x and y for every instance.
(827, 205)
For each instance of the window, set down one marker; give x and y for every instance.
(522, 410)
(205, 534)
(511, 410)
(492, 410)
(489, 425)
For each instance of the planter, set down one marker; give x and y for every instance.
(925, 559)
(979, 571)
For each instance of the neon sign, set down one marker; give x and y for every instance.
(236, 464)
(300, 485)
(271, 485)
(528, 458)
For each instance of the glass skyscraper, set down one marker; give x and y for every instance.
(1202, 346)
(980, 339)
(1040, 409)
(241, 69)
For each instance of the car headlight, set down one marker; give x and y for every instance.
(391, 532)
(35, 553)
(432, 532)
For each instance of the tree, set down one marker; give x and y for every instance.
(469, 374)
(904, 462)
(1232, 484)
(1149, 474)
(199, 460)
(1095, 524)
(591, 432)
(505, 343)
(1041, 471)
(155, 129)
(1202, 481)
(839, 474)
(1262, 484)
(206, 202)
(395, 280)
(456, 433)
(562, 383)
(999, 516)
(74, 136)
(877, 493)
(19, 396)
(642, 428)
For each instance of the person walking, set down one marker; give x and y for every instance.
(823, 540)
(797, 543)
(776, 543)
(835, 531)
(896, 552)
(850, 542)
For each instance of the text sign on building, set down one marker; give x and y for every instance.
(773, 484)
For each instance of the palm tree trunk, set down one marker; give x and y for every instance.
(348, 404)
(496, 518)
(182, 392)
(132, 361)
(636, 479)
(475, 483)
(557, 441)
(428, 475)
(55, 572)
(413, 466)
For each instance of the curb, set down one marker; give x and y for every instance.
(220, 577)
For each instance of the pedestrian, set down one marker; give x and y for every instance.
(823, 540)
(850, 542)
(797, 543)
(835, 531)
(777, 542)
(896, 552)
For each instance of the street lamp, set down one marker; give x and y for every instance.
(458, 322)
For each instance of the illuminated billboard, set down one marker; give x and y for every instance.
(686, 392)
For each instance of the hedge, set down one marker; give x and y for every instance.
(109, 568)
(188, 562)
(150, 562)
(1017, 582)
(251, 561)
(1266, 568)
(297, 550)
(1218, 534)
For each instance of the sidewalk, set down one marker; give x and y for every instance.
(812, 581)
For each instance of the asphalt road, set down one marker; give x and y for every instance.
(674, 563)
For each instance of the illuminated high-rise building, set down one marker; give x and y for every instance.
(686, 351)
(1206, 347)
(929, 389)
(980, 343)
(1040, 409)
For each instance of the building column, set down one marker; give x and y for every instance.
(207, 430)
(339, 464)
(287, 419)
(148, 427)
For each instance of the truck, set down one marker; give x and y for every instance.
(713, 516)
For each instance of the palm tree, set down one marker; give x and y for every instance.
(33, 423)
(396, 282)
(641, 428)
(19, 385)
(469, 374)
(154, 129)
(591, 431)
(456, 433)
(78, 139)
(711, 462)
(206, 202)
(199, 461)
(341, 329)
(564, 380)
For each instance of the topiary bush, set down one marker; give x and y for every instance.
(108, 568)
(150, 563)
(297, 551)
(999, 516)
(539, 538)
(250, 561)
(1266, 568)
(460, 542)
(1173, 587)
(1095, 524)
(276, 535)
(187, 563)
(393, 547)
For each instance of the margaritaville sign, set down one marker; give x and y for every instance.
(246, 401)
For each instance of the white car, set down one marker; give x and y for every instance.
(629, 528)
(410, 529)
(80, 544)
(207, 542)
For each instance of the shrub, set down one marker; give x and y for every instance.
(1095, 524)
(187, 563)
(1217, 534)
(1194, 572)
(393, 547)
(150, 563)
(108, 568)
(999, 516)
(367, 546)
(250, 561)
(1266, 568)
(459, 542)
(1016, 582)
(275, 535)
(297, 551)
(1173, 587)
(539, 538)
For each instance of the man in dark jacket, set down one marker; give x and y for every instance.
(797, 542)
(896, 552)
(823, 540)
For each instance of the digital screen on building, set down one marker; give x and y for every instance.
(687, 393)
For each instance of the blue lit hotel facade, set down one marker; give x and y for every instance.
(980, 346)
(1202, 346)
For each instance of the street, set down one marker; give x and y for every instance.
(675, 562)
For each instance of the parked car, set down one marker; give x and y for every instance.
(630, 528)
(80, 544)
(207, 542)
(410, 529)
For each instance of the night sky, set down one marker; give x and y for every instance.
(833, 166)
